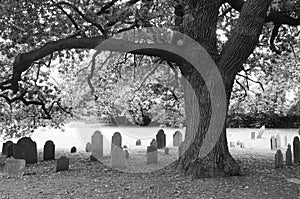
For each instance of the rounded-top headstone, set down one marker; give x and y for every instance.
(161, 139)
(88, 147)
(5, 146)
(49, 150)
(117, 139)
(73, 149)
(138, 142)
(25, 149)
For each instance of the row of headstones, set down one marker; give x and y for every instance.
(276, 142)
(289, 155)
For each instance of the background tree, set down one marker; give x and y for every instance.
(54, 29)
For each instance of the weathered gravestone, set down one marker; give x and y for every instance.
(278, 141)
(126, 154)
(117, 140)
(14, 167)
(273, 143)
(152, 156)
(117, 157)
(153, 143)
(138, 142)
(252, 135)
(25, 149)
(88, 147)
(231, 144)
(285, 141)
(5, 146)
(62, 164)
(278, 159)
(97, 146)
(177, 138)
(161, 139)
(261, 131)
(288, 156)
(73, 149)
(49, 150)
(296, 149)
(167, 151)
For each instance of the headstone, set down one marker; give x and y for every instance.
(126, 154)
(261, 131)
(138, 142)
(273, 143)
(252, 135)
(117, 139)
(296, 149)
(5, 146)
(278, 159)
(161, 139)
(152, 156)
(117, 157)
(285, 141)
(153, 143)
(14, 167)
(88, 147)
(49, 150)
(177, 138)
(25, 149)
(242, 145)
(167, 151)
(238, 143)
(97, 146)
(231, 144)
(125, 147)
(62, 164)
(73, 149)
(2, 160)
(288, 156)
(10, 150)
(278, 141)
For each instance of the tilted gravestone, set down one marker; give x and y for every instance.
(97, 146)
(73, 149)
(296, 149)
(261, 131)
(138, 142)
(252, 135)
(49, 150)
(278, 159)
(5, 146)
(273, 143)
(117, 157)
(177, 138)
(117, 139)
(14, 167)
(25, 149)
(161, 139)
(288, 156)
(62, 164)
(152, 156)
(278, 141)
(153, 143)
(88, 147)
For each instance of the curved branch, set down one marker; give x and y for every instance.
(273, 36)
(69, 16)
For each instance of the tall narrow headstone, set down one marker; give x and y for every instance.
(25, 149)
(278, 159)
(14, 167)
(62, 164)
(278, 141)
(117, 139)
(261, 131)
(161, 139)
(49, 150)
(177, 138)
(152, 156)
(288, 156)
(252, 135)
(138, 142)
(296, 149)
(5, 146)
(117, 157)
(273, 143)
(97, 146)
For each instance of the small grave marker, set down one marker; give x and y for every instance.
(231, 144)
(167, 151)
(62, 164)
(152, 156)
(138, 142)
(117, 139)
(49, 150)
(88, 147)
(288, 156)
(177, 138)
(252, 135)
(161, 139)
(117, 157)
(278, 159)
(73, 149)
(153, 143)
(97, 146)
(296, 149)
(5, 146)
(285, 141)
(278, 141)
(14, 167)
(273, 143)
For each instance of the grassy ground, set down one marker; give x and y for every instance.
(87, 179)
